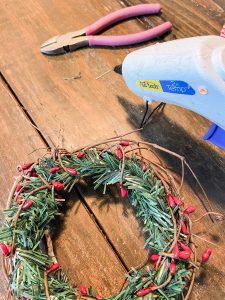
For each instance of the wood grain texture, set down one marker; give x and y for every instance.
(118, 220)
(80, 244)
(87, 109)
(84, 253)
(17, 140)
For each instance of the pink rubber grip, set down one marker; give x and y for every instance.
(122, 14)
(129, 39)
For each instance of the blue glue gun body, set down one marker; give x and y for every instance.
(187, 72)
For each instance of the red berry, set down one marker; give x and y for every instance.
(184, 255)
(53, 268)
(19, 200)
(143, 292)
(123, 192)
(189, 210)
(9, 248)
(28, 204)
(26, 166)
(53, 170)
(209, 251)
(28, 174)
(206, 254)
(19, 189)
(154, 257)
(33, 173)
(80, 154)
(176, 251)
(177, 201)
(71, 171)
(119, 154)
(83, 290)
(184, 247)
(172, 267)
(124, 143)
(58, 185)
(4, 249)
(183, 227)
(170, 200)
(144, 166)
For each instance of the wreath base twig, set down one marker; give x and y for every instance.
(150, 188)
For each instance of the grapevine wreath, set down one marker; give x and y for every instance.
(35, 201)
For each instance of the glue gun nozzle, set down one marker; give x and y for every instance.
(118, 69)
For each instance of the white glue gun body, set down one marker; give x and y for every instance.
(187, 72)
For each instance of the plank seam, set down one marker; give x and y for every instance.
(21, 106)
(82, 199)
(102, 230)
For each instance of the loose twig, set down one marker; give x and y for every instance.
(46, 286)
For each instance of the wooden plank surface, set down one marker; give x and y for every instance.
(17, 140)
(84, 109)
(88, 109)
(118, 220)
(80, 244)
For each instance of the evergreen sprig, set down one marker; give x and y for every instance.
(146, 193)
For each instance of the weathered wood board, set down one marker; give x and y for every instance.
(81, 246)
(74, 112)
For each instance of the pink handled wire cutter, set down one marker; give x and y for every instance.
(87, 37)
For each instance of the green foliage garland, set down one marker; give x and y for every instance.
(34, 203)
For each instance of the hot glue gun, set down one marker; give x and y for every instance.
(188, 72)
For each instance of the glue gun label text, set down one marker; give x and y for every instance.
(166, 86)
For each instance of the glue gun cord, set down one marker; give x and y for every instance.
(145, 120)
(146, 111)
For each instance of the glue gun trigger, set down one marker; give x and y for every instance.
(216, 135)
